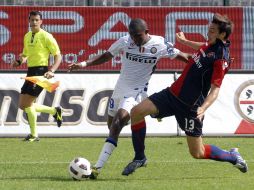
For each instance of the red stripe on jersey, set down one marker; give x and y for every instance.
(220, 68)
(177, 85)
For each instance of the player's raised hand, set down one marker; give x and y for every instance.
(180, 37)
(74, 66)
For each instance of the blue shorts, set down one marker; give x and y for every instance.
(186, 116)
(31, 88)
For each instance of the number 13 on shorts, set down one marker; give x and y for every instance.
(189, 124)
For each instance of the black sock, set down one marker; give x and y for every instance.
(138, 141)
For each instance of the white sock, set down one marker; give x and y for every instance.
(106, 151)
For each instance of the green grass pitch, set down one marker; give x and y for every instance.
(43, 165)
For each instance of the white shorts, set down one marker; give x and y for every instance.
(125, 101)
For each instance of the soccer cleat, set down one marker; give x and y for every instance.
(240, 162)
(58, 116)
(132, 166)
(31, 138)
(95, 173)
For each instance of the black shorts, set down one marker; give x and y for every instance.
(31, 88)
(186, 116)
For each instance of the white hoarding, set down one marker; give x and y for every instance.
(84, 98)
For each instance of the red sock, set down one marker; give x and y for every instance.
(138, 126)
(208, 150)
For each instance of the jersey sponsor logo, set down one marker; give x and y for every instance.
(140, 58)
(196, 58)
(244, 100)
(202, 52)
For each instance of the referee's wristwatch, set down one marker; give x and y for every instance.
(19, 62)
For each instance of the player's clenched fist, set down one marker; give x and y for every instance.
(180, 37)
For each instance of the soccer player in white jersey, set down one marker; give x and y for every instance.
(140, 54)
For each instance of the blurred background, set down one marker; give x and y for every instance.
(128, 2)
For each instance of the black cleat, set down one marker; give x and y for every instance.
(132, 166)
(95, 173)
(58, 116)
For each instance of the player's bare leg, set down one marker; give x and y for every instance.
(26, 100)
(196, 147)
(121, 119)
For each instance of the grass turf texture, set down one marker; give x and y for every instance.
(43, 165)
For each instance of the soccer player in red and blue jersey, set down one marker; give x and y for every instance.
(189, 97)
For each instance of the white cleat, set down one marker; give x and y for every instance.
(240, 162)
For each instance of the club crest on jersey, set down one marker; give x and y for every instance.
(153, 50)
(210, 54)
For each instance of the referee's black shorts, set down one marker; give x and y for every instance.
(29, 87)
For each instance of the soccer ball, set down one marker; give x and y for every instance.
(80, 169)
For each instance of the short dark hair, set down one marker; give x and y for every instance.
(224, 24)
(35, 13)
(138, 24)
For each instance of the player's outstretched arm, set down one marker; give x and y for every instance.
(180, 37)
(94, 61)
(184, 57)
